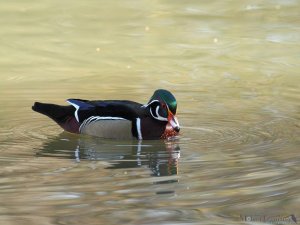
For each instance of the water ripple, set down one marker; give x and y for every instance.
(263, 133)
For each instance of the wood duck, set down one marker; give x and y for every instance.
(119, 119)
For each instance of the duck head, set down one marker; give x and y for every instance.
(162, 106)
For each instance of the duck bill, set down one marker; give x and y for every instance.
(172, 120)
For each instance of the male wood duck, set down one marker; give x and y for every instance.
(119, 119)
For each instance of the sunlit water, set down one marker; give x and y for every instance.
(234, 69)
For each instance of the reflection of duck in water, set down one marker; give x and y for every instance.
(161, 157)
(117, 118)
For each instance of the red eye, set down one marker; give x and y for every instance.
(164, 106)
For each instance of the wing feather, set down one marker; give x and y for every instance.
(114, 108)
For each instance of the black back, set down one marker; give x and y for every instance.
(111, 108)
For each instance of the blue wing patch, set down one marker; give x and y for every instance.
(80, 104)
(101, 104)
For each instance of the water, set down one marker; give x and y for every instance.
(234, 69)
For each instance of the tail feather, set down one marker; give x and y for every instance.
(56, 112)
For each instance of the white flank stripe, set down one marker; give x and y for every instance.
(76, 112)
(159, 117)
(138, 128)
(106, 118)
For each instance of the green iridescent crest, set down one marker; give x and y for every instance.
(166, 97)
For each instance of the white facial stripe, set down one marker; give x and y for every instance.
(159, 117)
(151, 113)
(156, 110)
(156, 116)
(174, 122)
(146, 105)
